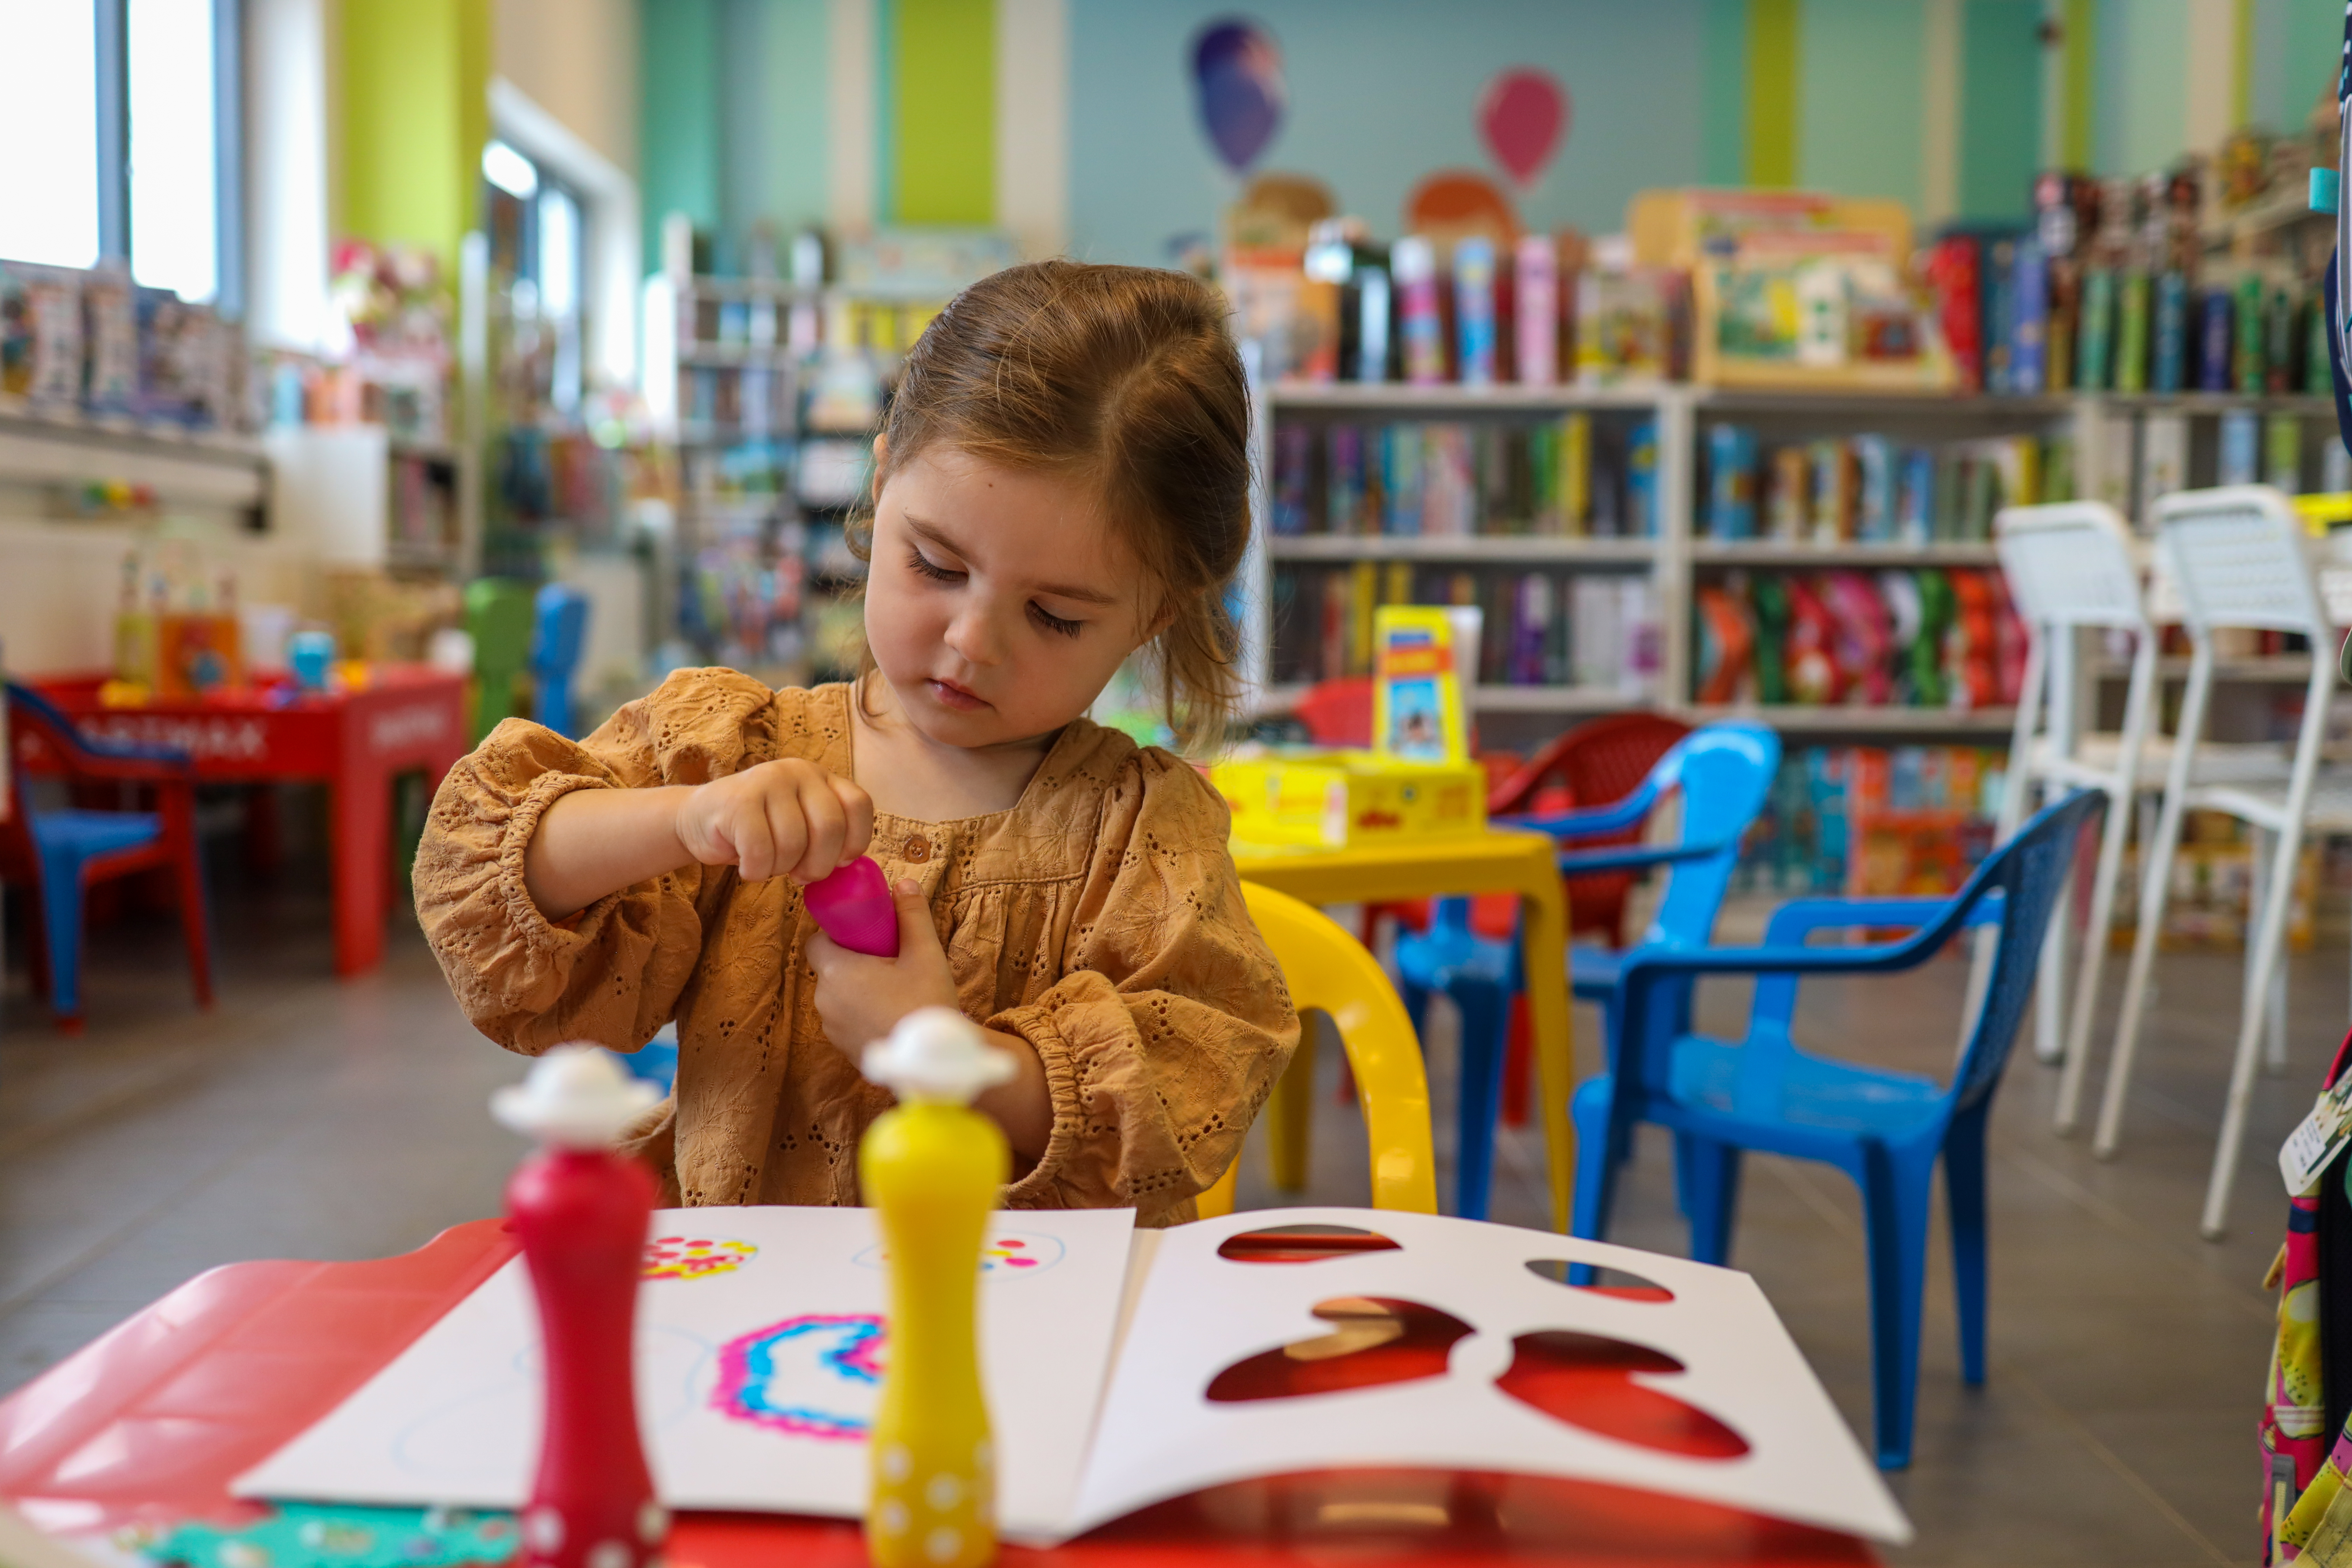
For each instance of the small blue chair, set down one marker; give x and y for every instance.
(1883, 1128)
(1724, 772)
(558, 637)
(62, 853)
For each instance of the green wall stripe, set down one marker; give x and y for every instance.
(944, 111)
(1859, 70)
(2081, 25)
(414, 104)
(2000, 107)
(678, 120)
(1773, 76)
(1723, 94)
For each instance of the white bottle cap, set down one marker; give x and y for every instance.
(937, 1054)
(577, 1097)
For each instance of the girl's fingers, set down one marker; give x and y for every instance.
(825, 827)
(748, 830)
(787, 827)
(857, 814)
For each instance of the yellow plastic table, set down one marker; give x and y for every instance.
(1499, 860)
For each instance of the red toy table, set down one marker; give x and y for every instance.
(407, 717)
(150, 1423)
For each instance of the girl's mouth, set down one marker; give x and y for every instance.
(953, 696)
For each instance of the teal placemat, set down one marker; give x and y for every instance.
(328, 1535)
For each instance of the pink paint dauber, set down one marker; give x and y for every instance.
(852, 906)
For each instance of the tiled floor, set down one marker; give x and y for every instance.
(308, 1118)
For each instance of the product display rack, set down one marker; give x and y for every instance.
(1678, 555)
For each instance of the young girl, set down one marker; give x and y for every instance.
(1062, 480)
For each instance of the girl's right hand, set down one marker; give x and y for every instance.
(782, 818)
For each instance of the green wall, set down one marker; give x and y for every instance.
(414, 109)
(943, 110)
(1858, 115)
(2000, 107)
(679, 125)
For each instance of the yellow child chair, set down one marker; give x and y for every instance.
(1331, 972)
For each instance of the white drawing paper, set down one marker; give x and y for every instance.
(756, 1371)
(1099, 1363)
(1161, 1437)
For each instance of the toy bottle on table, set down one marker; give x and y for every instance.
(931, 1168)
(582, 1211)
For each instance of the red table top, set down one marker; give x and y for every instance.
(407, 715)
(150, 1423)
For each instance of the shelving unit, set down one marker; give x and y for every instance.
(1676, 558)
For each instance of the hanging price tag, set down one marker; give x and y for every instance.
(2316, 1139)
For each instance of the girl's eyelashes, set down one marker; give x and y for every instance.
(931, 568)
(1044, 618)
(1053, 623)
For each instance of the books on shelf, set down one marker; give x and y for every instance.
(1902, 820)
(1867, 488)
(1577, 476)
(1598, 630)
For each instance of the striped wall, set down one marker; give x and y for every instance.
(1071, 122)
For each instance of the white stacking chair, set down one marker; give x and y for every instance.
(2072, 568)
(2236, 557)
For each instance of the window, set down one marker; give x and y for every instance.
(49, 210)
(538, 229)
(133, 105)
(174, 221)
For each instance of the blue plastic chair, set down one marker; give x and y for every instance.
(62, 853)
(1724, 772)
(560, 634)
(1883, 1128)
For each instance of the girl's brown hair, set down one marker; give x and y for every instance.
(1126, 379)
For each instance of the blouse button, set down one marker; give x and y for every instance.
(917, 851)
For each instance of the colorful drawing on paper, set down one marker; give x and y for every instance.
(816, 1376)
(694, 1257)
(1012, 1252)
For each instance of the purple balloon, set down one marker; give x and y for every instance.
(1238, 71)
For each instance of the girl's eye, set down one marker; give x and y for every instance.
(929, 568)
(1053, 623)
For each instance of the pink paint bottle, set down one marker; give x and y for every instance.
(583, 1213)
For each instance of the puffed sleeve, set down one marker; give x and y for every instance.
(612, 972)
(1170, 1021)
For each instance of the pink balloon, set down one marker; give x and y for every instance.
(1523, 117)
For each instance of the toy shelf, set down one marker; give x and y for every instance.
(1451, 398)
(1781, 553)
(1860, 720)
(1499, 547)
(1491, 699)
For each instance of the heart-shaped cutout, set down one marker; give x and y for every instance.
(1302, 1244)
(1586, 1380)
(1624, 1284)
(1374, 1339)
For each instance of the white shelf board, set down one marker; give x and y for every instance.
(1451, 395)
(1797, 552)
(1853, 720)
(201, 466)
(1487, 698)
(2294, 667)
(1458, 547)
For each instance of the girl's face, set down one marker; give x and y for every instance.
(998, 603)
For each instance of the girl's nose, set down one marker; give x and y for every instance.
(972, 634)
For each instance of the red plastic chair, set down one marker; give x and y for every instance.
(62, 854)
(1599, 760)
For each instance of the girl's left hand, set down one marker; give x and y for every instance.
(861, 997)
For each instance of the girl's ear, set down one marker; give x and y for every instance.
(881, 461)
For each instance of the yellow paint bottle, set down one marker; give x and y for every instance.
(931, 1168)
